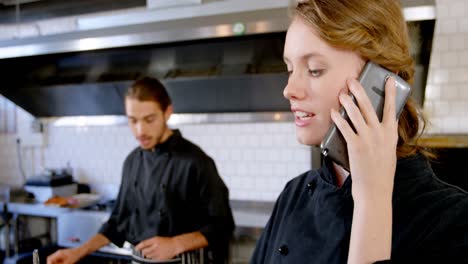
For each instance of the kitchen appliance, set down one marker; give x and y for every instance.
(218, 57)
(50, 183)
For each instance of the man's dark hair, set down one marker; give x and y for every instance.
(149, 89)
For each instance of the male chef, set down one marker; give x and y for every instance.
(171, 199)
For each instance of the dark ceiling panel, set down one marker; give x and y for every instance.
(46, 9)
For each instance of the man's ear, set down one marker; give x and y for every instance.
(168, 112)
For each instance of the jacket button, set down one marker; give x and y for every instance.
(161, 212)
(311, 186)
(283, 250)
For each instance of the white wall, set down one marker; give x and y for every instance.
(447, 88)
(254, 159)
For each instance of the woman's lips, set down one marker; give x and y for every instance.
(302, 118)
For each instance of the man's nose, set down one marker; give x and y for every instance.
(140, 128)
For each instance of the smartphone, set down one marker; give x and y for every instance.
(372, 78)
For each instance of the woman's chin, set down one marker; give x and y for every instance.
(308, 140)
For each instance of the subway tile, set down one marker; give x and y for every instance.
(302, 155)
(432, 92)
(450, 125)
(267, 170)
(266, 140)
(463, 125)
(260, 154)
(463, 58)
(241, 141)
(456, 42)
(459, 74)
(253, 140)
(448, 26)
(218, 141)
(440, 76)
(442, 10)
(463, 25)
(278, 139)
(457, 9)
(458, 108)
(273, 155)
(463, 90)
(449, 59)
(449, 92)
(236, 155)
(278, 169)
(248, 155)
(435, 61)
(286, 154)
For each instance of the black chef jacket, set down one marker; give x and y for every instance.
(172, 190)
(311, 221)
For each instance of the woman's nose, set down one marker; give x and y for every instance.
(294, 89)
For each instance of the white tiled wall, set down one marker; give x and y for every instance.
(446, 101)
(9, 172)
(254, 159)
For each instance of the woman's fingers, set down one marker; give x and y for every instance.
(353, 113)
(389, 113)
(363, 101)
(343, 126)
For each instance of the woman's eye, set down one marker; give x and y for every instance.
(316, 73)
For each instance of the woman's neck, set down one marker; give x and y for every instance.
(341, 174)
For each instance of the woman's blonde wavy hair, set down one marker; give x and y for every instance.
(377, 31)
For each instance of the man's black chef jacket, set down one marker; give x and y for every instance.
(311, 221)
(172, 190)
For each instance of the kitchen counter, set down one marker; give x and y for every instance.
(250, 218)
(35, 209)
(246, 213)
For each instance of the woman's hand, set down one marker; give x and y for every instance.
(372, 158)
(372, 148)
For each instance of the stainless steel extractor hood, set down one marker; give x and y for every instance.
(228, 62)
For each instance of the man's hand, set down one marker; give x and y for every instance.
(73, 255)
(65, 256)
(158, 248)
